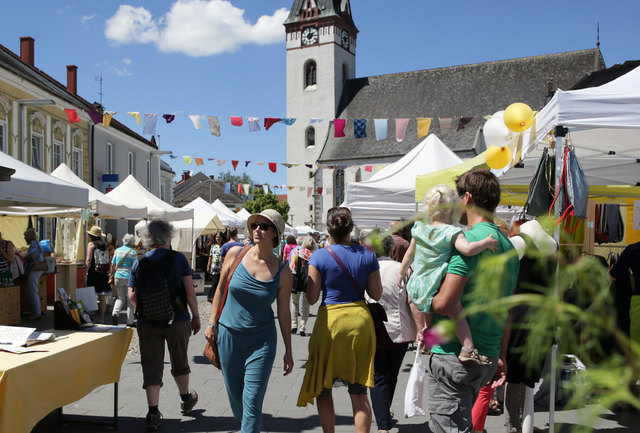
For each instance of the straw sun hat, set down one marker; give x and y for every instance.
(272, 215)
(95, 231)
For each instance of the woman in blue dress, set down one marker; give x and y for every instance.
(245, 331)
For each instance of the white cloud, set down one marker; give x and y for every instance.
(122, 69)
(126, 61)
(87, 18)
(195, 27)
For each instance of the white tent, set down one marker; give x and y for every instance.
(31, 187)
(604, 128)
(131, 193)
(302, 230)
(227, 216)
(206, 222)
(389, 194)
(243, 213)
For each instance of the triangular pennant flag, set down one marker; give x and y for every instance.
(187, 159)
(236, 121)
(464, 121)
(309, 191)
(199, 161)
(169, 118)
(424, 123)
(295, 164)
(265, 188)
(288, 120)
(246, 188)
(446, 125)
(401, 128)
(381, 128)
(150, 121)
(290, 187)
(227, 188)
(195, 118)
(368, 168)
(135, 115)
(211, 159)
(239, 188)
(273, 166)
(359, 128)
(309, 166)
(173, 156)
(214, 126)
(106, 117)
(270, 121)
(254, 124)
(72, 115)
(286, 164)
(338, 126)
(259, 163)
(246, 163)
(315, 120)
(235, 164)
(95, 117)
(319, 190)
(221, 161)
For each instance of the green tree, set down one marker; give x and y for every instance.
(260, 201)
(228, 176)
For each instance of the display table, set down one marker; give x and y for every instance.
(32, 385)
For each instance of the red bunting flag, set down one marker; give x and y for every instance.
(273, 166)
(239, 188)
(199, 161)
(368, 168)
(234, 163)
(338, 126)
(270, 121)
(236, 121)
(72, 115)
(319, 190)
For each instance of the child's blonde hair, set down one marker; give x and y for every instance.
(441, 203)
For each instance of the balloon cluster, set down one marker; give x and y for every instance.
(500, 130)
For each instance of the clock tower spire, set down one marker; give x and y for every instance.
(321, 49)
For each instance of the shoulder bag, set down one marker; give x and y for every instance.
(113, 274)
(211, 350)
(379, 316)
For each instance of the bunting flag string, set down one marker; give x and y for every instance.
(169, 118)
(150, 121)
(424, 123)
(135, 115)
(199, 161)
(95, 117)
(197, 123)
(235, 164)
(72, 115)
(381, 128)
(401, 129)
(359, 128)
(270, 121)
(236, 121)
(214, 126)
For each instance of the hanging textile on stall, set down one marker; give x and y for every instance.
(609, 225)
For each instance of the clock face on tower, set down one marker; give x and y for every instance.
(345, 39)
(309, 36)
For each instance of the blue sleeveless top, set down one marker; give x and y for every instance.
(248, 305)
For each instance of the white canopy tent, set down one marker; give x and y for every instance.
(206, 222)
(302, 230)
(227, 216)
(389, 194)
(243, 213)
(131, 193)
(31, 187)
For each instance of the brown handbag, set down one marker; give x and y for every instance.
(211, 350)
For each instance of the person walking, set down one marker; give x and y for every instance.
(245, 329)
(34, 254)
(164, 268)
(300, 268)
(343, 342)
(96, 269)
(123, 259)
(214, 266)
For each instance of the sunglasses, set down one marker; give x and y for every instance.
(263, 226)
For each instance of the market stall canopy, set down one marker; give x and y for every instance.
(31, 187)
(389, 194)
(205, 222)
(131, 193)
(227, 216)
(243, 213)
(302, 230)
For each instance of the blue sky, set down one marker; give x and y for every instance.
(176, 56)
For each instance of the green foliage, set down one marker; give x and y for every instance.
(230, 177)
(260, 201)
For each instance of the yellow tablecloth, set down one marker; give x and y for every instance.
(34, 384)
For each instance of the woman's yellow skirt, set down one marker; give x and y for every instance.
(342, 346)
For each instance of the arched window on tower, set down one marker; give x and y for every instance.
(338, 187)
(310, 137)
(345, 72)
(310, 70)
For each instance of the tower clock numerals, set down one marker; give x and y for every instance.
(345, 39)
(309, 36)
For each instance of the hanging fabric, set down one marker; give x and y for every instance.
(541, 187)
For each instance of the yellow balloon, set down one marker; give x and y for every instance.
(518, 117)
(498, 157)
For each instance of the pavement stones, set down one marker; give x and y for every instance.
(280, 413)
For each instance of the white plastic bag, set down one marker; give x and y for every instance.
(415, 388)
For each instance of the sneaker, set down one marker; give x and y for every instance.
(471, 356)
(153, 421)
(294, 330)
(114, 320)
(302, 333)
(187, 406)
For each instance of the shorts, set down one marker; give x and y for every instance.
(152, 339)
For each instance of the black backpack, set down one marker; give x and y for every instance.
(301, 277)
(159, 291)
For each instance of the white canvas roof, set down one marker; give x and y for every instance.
(131, 193)
(389, 194)
(31, 187)
(243, 213)
(227, 216)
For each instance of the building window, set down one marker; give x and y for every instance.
(58, 146)
(148, 174)
(163, 192)
(310, 137)
(338, 187)
(110, 158)
(131, 165)
(4, 125)
(37, 142)
(310, 74)
(76, 155)
(345, 72)
(3, 136)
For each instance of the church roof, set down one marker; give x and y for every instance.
(473, 90)
(326, 8)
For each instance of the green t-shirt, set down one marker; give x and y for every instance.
(485, 330)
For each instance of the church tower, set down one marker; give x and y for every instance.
(321, 54)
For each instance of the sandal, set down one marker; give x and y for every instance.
(495, 408)
(471, 356)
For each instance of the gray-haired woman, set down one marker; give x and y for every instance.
(123, 259)
(175, 272)
(34, 254)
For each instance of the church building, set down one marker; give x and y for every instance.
(321, 45)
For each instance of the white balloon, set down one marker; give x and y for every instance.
(496, 132)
